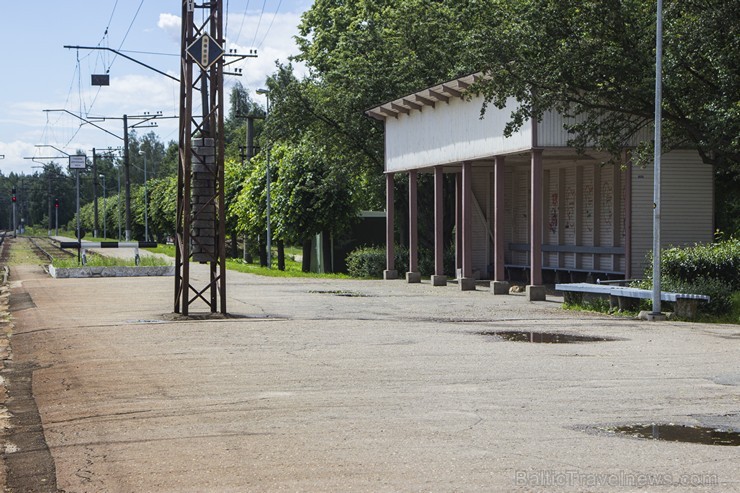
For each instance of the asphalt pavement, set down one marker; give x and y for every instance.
(348, 385)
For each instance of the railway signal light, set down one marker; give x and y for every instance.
(12, 191)
(56, 203)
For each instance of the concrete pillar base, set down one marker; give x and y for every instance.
(536, 293)
(500, 287)
(439, 280)
(389, 275)
(652, 317)
(466, 283)
(413, 277)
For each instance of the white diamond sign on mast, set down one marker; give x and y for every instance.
(200, 228)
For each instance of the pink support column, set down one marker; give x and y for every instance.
(536, 290)
(390, 272)
(458, 224)
(499, 285)
(467, 282)
(439, 278)
(413, 275)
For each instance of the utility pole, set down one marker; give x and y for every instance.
(266, 93)
(127, 177)
(200, 228)
(656, 313)
(141, 119)
(146, 205)
(48, 198)
(105, 218)
(14, 198)
(95, 192)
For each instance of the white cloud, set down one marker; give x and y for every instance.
(170, 24)
(135, 91)
(277, 44)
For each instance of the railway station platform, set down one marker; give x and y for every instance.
(349, 385)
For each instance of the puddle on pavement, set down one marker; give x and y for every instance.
(542, 337)
(348, 294)
(680, 433)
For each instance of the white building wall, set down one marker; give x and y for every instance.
(550, 132)
(450, 133)
(687, 205)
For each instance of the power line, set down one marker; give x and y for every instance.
(110, 19)
(256, 31)
(226, 21)
(246, 8)
(127, 31)
(270, 26)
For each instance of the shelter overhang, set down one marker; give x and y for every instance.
(440, 93)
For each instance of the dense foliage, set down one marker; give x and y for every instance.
(720, 261)
(713, 270)
(593, 60)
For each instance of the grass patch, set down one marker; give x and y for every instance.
(601, 305)
(598, 305)
(22, 252)
(292, 268)
(102, 261)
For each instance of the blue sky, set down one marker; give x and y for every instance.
(42, 74)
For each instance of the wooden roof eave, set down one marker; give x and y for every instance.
(426, 97)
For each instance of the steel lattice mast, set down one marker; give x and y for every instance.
(200, 227)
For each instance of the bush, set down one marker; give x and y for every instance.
(366, 262)
(720, 301)
(713, 270)
(369, 262)
(720, 261)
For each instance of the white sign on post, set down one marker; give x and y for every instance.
(77, 162)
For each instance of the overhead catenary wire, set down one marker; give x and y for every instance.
(277, 10)
(241, 26)
(127, 32)
(259, 22)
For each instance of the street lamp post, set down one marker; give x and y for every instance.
(146, 200)
(266, 93)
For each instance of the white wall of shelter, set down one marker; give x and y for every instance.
(592, 219)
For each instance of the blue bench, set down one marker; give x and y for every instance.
(627, 298)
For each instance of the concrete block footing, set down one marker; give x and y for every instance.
(390, 275)
(536, 293)
(652, 317)
(466, 283)
(439, 280)
(500, 287)
(413, 277)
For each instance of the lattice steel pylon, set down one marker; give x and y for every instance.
(200, 229)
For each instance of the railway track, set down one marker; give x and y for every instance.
(49, 250)
(31, 250)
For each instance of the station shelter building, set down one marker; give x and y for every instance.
(529, 204)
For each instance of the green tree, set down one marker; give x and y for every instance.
(595, 60)
(313, 194)
(361, 53)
